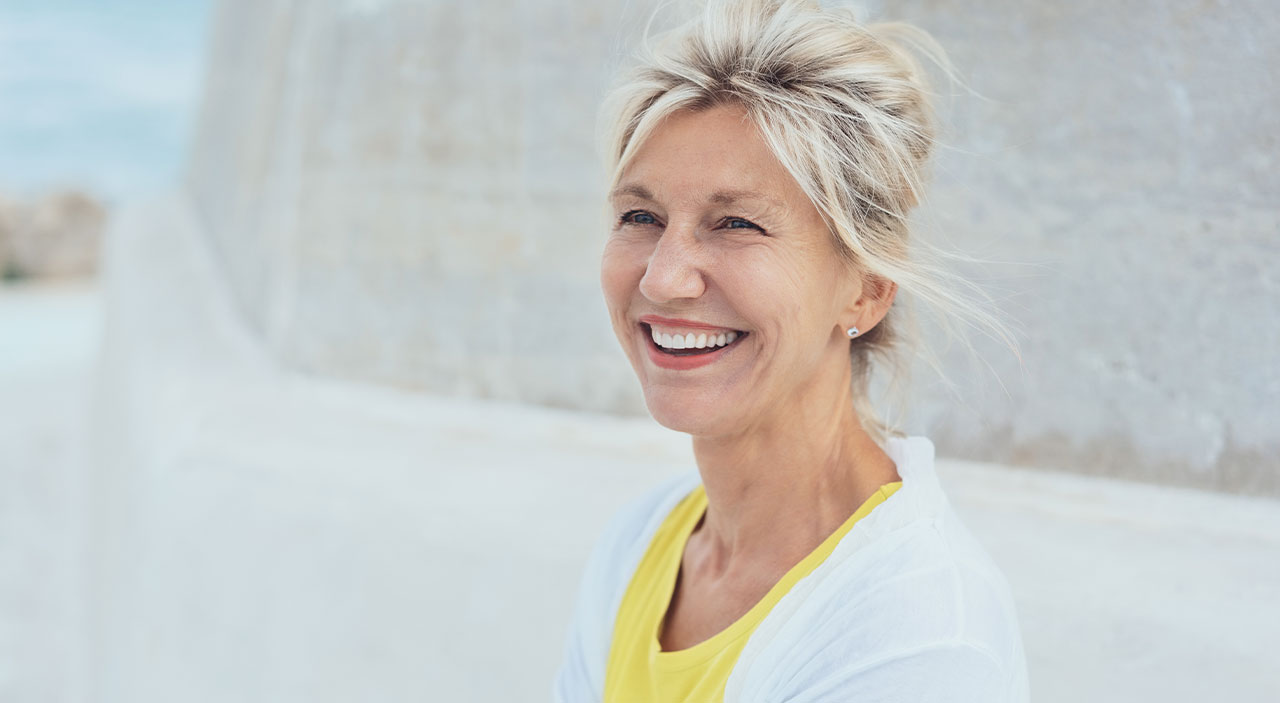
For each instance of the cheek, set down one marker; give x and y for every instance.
(775, 285)
(621, 268)
(789, 299)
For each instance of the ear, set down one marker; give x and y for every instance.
(873, 303)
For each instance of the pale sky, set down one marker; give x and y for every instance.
(98, 95)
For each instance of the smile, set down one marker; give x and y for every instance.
(682, 349)
(691, 342)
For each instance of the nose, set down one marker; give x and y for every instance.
(674, 269)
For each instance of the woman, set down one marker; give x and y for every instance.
(764, 159)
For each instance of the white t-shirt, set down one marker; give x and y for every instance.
(908, 608)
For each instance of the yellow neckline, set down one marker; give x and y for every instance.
(700, 652)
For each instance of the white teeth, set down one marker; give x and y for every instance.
(690, 340)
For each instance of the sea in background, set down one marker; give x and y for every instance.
(98, 96)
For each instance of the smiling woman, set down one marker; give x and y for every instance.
(716, 233)
(764, 159)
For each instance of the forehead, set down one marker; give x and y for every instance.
(715, 155)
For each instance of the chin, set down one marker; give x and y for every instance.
(691, 418)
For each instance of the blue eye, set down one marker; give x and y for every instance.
(637, 217)
(739, 223)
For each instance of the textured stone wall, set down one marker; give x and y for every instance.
(407, 192)
(1126, 155)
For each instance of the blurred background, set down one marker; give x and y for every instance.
(307, 391)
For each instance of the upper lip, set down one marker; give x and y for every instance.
(678, 322)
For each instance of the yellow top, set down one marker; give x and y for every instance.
(638, 671)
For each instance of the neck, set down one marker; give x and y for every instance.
(776, 490)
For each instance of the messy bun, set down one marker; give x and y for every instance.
(846, 109)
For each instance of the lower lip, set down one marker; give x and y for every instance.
(683, 363)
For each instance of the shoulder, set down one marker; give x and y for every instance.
(909, 604)
(922, 560)
(919, 615)
(940, 615)
(937, 583)
(925, 582)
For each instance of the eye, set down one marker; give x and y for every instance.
(739, 223)
(637, 217)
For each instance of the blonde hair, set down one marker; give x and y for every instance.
(847, 111)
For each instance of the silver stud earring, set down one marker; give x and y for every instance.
(852, 331)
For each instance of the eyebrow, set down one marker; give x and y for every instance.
(720, 197)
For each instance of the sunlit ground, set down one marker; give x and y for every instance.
(48, 342)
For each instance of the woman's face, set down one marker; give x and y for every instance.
(714, 243)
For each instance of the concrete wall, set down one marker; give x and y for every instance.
(406, 192)
(1126, 154)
